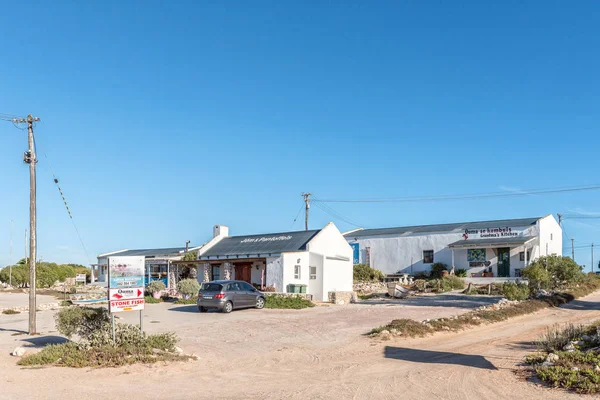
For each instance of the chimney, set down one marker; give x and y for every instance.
(220, 230)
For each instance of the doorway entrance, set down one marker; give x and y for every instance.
(243, 272)
(504, 262)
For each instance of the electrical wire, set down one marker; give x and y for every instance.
(68, 210)
(297, 215)
(466, 196)
(330, 211)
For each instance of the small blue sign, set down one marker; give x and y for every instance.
(356, 253)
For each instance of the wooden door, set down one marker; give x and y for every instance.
(243, 272)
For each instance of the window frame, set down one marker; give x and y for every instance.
(311, 275)
(522, 256)
(432, 257)
(297, 272)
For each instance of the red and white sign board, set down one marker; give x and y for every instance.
(126, 305)
(126, 293)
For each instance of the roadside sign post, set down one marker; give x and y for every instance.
(126, 287)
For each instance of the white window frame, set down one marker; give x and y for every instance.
(297, 271)
(313, 275)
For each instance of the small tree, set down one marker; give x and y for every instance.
(364, 273)
(437, 269)
(156, 287)
(552, 272)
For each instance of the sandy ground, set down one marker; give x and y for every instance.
(319, 353)
(10, 300)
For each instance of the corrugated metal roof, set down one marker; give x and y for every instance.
(172, 251)
(272, 243)
(497, 242)
(442, 228)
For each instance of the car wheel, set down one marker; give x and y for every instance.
(228, 307)
(202, 309)
(260, 303)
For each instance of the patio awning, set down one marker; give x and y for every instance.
(495, 243)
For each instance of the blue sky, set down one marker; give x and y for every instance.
(163, 119)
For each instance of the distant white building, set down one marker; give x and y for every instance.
(500, 248)
(319, 259)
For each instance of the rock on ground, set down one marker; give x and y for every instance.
(18, 352)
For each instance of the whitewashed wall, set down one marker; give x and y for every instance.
(315, 286)
(551, 237)
(289, 261)
(275, 273)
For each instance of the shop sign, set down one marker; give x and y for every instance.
(473, 264)
(80, 278)
(126, 272)
(492, 233)
(157, 262)
(125, 294)
(126, 305)
(355, 253)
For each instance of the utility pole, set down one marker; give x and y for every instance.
(592, 257)
(30, 158)
(187, 245)
(306, 208)
(573, 249)
(10, 255)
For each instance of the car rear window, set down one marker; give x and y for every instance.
(211, 287)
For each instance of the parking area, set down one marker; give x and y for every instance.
(246, 342)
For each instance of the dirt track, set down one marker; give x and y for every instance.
(315, 354)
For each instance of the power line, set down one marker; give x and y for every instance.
(330, 211)
(465, 196)
(297, 215)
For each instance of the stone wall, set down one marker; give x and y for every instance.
(227, 268)
(342, 297)
(206, 272)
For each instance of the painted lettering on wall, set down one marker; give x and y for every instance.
(266, 239)
(489, 233)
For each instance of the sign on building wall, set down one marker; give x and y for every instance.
(477, 258)
(125, 284)
(493, 232)
(355, 253)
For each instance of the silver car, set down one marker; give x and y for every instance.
(229, 295)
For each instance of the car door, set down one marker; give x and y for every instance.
(234, 294)
(245, 295)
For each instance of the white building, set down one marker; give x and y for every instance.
(502, 247)
(319, 259)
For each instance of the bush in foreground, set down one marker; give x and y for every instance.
(152, 300)
(97, 348)
(188, 287)
(289, 302)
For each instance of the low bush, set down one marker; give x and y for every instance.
(447, 283)
(97, 347)
(10, 312)
(515, 291)
(461, 273)
(188, 287)
(553, 272)
(156, 286)
(555, 338)
(191, 300)
(406, 327)
(152, 300)
(437, 269)
(364, 273)
(290, 302)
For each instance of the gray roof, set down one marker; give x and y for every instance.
(497, 242)
(263, 245)
(442, 228)
(171, 251)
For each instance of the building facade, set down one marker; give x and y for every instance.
(500, 248)
(319, 259)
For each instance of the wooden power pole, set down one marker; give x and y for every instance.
(306, 208)
(573, 249)
(30, 158)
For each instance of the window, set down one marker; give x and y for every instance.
(216, 273)
(233, 286)
(427, 256)
(522, 255)
(211, 287)
(313, 272)
(247, 287)
(296, 272)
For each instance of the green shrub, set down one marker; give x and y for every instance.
(364, 273)
(10, 312)
(437, 269)
(20, 275)
(448, 283)
(191, 300)
(156, 286)
(83, 321)
(515, 291)
(461, 273)
(188, 287)
(152, 300)
(291, 302)
(552, 272)
(64, 271)
(46, 274)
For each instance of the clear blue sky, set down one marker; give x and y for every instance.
(163, 118)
